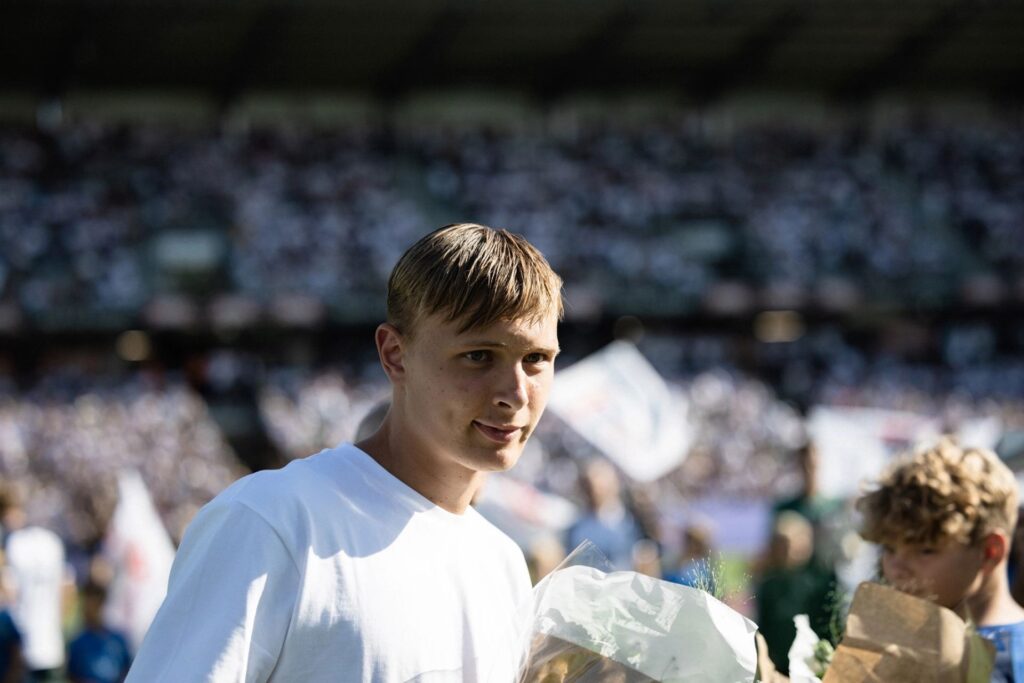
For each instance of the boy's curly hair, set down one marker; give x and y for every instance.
(940, 493)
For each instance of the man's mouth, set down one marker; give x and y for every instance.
(498, 434)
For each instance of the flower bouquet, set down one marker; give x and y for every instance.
(591, 624)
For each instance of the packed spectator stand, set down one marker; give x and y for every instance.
(647, 219)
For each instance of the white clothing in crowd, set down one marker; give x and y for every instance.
(37, 574)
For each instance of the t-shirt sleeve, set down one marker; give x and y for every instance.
(229, 603)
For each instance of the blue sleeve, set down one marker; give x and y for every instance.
(126, 653)
(8, 631)
(75, 664)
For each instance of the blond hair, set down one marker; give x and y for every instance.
(940, 493)
(473, 274)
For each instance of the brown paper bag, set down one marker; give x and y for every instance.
(892, 637)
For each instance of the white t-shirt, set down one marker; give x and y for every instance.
(334, 570)
(35, 561)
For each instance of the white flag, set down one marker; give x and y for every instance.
(618, 402)
(141, 552)
(854, 444)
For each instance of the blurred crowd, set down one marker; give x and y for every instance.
(625, 213)
(63, 446)
(884, 209)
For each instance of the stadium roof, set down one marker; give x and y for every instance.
(702, 48)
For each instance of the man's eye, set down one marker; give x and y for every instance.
(477, 356)
(535, 358)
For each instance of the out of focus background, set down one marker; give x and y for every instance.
(792, 235)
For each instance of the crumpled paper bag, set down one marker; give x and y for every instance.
(892, 636)
(642, 628)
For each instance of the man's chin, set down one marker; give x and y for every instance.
(497, 459)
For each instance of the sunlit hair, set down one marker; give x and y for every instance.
(474, 275)
(940, 493)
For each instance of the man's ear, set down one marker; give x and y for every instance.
(391, 349)
(995, 548)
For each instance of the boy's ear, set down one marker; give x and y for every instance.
(995, 547)
(391, 349)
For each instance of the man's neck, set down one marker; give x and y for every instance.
(444, 484)
(992, 604)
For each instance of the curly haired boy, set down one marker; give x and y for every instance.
(944, 516)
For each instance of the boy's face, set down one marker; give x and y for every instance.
(473, 398)
(945, 574)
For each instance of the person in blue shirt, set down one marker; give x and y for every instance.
(607, 523)
(98, 654)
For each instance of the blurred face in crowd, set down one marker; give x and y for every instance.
(472, 398)
(792, 541)
(600, 484)
(946, 573)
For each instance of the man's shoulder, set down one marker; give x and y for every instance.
(495, 541)
(298, 481)
(281, 498)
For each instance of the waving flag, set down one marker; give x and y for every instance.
(617, 401)
(141, 552)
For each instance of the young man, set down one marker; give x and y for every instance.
(365, 562)
(944, 518)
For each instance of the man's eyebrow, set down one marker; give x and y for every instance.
(490, 343)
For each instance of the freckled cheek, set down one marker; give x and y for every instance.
(538, 395)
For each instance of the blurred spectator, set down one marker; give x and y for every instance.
(694, 566)
(543, 556)
(97, 654)
(12, 662)
(607, 523)
(791, 583)
(39, 581)
(647, 558)
(809, 503)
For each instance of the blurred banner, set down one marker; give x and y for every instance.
(141, 552)
(619, 403)
(855, 444)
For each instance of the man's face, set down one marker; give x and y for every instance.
(473, 398)
(945, 574)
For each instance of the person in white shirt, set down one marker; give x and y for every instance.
(365, 563)
(39, 580)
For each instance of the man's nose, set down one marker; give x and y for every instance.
(512, 391)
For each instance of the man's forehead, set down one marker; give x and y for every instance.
(535, 330)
